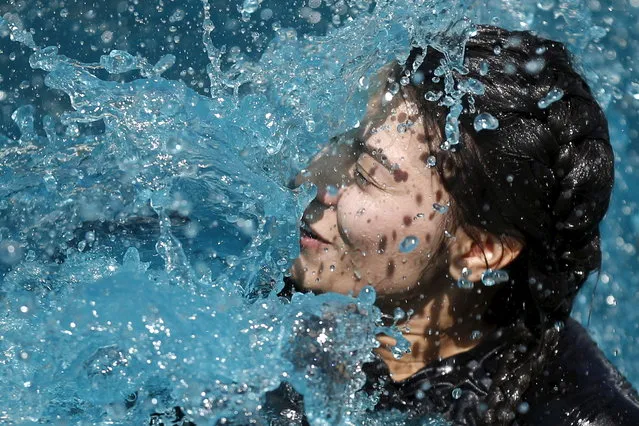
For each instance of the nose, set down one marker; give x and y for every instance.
(331, 171)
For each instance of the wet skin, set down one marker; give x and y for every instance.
(374, 191)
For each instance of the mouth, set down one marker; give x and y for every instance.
(310, 238)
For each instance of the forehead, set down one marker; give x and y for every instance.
(398, 131)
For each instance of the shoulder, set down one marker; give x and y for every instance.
(580, 386)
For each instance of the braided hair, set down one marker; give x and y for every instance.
(544, 177)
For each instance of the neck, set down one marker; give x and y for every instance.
(434, 334)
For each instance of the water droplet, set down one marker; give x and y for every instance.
(404, 81)
(332, 190)
(431, 161)
(535, 66)
(408, 244)
(553, 96)
(457, 393)
(118, 61)
(483, 68)
(633, 90)
(250, 6)
(403, 127)
(177, 16)
(433, 96)
(463, 281)
(440, 208)
(367, 295)
(475, 335)
(523, 408)
(485, 121)
(10, 252)
(398, 314)
(491, 277)
(546, 5)
(332, 268)
(465, 284)
(473, 86)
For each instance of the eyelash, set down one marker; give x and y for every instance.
(360, 177)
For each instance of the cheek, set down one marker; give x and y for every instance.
(362, 219)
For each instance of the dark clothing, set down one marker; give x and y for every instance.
(579, 386)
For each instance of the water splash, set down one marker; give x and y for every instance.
(162, 215)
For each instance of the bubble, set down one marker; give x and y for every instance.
(485, 121)
(456, 393)
(10, 252)
(553, 96)
(408, 244)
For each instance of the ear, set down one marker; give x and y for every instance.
(487, 251)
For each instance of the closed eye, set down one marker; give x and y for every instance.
(361, 176)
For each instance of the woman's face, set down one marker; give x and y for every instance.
(373, 221)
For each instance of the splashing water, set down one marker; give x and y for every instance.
(145, 228)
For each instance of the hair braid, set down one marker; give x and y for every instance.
(544, 177)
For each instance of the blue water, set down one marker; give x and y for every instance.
(145, 220)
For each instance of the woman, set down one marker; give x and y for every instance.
(486, 242)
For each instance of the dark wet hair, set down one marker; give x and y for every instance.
(543, 177)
